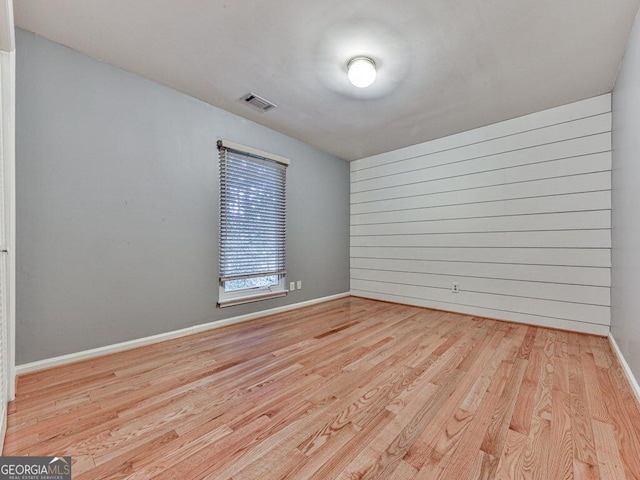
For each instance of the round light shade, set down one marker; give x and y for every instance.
(361, 72)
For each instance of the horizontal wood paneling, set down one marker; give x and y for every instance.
(589, 182)
(548, 239)
(573, 202)
(532, 306)
(598, 162)
(553, 143)
(538, 320)
(512, 223)
(552, 274)
(517, 213)
(577, 257)
(517, 288)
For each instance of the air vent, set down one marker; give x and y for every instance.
(257, 102)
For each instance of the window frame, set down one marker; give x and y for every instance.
(252, 294)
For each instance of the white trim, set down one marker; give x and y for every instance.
(625, 367)
(241, 297)
(249, 295)
(7, 30)
(8, 102)
(119, 347)
(255, 151)
(9, 160)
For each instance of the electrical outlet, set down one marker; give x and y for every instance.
(299, 284)
(455, 288)
(292, 286)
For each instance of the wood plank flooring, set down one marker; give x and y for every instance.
(348, 389)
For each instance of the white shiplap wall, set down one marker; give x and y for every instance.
(517, 213)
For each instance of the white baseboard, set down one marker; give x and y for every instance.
(140, 342)
(526, 319)
(625, 366)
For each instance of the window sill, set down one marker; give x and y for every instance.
(231, 302)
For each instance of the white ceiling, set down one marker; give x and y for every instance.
(445, 66)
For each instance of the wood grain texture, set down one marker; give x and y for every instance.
(351, 389)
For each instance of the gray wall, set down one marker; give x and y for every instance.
(117, 186)
(625, 290)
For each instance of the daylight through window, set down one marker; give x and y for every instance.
(252, 224)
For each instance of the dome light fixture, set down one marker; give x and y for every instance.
(361, 72)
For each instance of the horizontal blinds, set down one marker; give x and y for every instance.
(252, 215)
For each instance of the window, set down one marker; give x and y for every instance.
(252, 224)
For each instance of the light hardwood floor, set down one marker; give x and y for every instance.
(349, 389)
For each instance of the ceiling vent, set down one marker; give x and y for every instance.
(257, 102)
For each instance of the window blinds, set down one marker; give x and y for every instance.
(252, 213)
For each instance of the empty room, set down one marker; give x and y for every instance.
(320, 239)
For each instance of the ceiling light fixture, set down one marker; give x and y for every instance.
(361, 72)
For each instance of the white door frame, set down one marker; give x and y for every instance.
(8, 66)
(7, 86)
